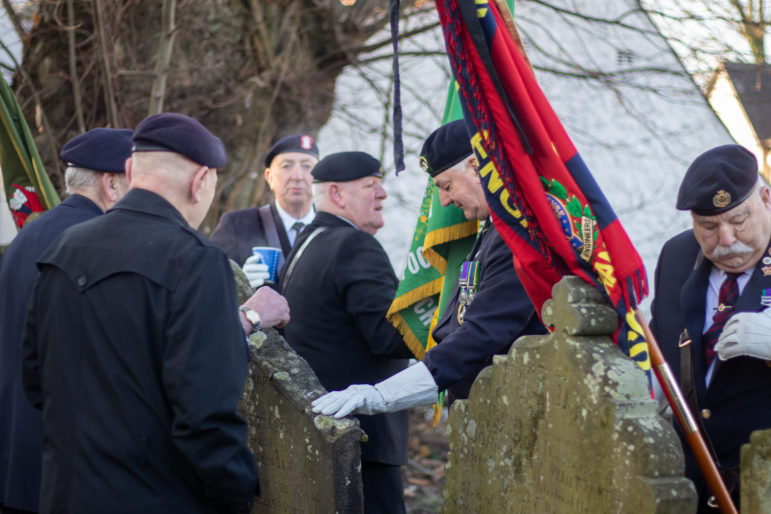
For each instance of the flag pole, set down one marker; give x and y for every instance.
(687, 421)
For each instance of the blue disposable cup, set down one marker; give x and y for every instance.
(270, 256)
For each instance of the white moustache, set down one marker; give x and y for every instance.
(737, 248)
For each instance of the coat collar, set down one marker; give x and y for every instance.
(78, 201)
(153, 204)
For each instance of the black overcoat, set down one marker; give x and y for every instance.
(21, 426)
(339, 293)
(738, 399)
(134, 350)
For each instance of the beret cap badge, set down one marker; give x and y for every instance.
(721, 199)
(424, 164)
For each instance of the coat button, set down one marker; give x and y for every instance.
(706, 413)
(81, 281)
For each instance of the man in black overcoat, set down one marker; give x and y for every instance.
(339, 284)
(288, 166)
(728, 384)
(134, 345)
(94, 179)
(488, 310)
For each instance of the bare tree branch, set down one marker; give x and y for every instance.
(166, 46)
(74, 67)
(109, 93)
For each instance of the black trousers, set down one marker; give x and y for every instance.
(383, 488)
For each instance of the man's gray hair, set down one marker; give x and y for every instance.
(76, 178)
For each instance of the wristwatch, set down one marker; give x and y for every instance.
(252, 316)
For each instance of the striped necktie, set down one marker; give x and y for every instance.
(727, 297)
(297, 226)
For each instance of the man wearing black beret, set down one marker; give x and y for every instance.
(288, 166)
(710, 313)
(94, 179)
(339, 284)
(488, 310)
(140, 361)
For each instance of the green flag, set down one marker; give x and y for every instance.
(442, 239)
(27, 185)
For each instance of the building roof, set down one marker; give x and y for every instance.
(752, 83)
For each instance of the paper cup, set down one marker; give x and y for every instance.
(270, 256)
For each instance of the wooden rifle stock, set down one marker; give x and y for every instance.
(687, 422)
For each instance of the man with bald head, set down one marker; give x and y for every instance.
(94, 179)
(134, 345)
(710, 313)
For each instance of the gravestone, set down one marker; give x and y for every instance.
(306, 462)
(756, 474)
(565, 424)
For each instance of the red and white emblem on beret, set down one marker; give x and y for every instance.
(306, 142)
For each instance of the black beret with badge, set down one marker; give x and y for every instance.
(174, 132)
(99, 149)
(445, 147)
(346, 166)
(718, 180)
(301, 143)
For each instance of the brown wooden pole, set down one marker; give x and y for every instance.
(687, 422)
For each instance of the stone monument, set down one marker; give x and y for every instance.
(306, 462)
(756, 474)
(565, 424)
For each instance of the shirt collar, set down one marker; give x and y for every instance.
(288, 220)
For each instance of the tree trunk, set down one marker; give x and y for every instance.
(252, 71)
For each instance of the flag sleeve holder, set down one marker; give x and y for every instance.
(687, 422)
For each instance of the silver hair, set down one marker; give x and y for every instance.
(462, 165)
(76, 178)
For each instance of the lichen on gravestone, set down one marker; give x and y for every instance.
(306, 462)
(756, 474)
(565, 423)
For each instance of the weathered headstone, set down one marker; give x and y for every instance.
(756, 474)
(307, 463)
(565, 424)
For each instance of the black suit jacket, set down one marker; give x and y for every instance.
(21, 426)
(339, 293)
(238, 231)
(739, 396)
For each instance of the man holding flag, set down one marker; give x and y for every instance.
(488, 310)
(710, 313)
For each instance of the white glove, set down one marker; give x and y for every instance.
(256, 271)
(748, 334)
(411, 387)
(362, 398)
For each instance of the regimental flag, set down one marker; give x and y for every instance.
(543, 200)
(27, 185)
(442, 239)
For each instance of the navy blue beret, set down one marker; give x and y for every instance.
(99, 149)
(174, 132)
(345, 166)
(445, 147)
(302, 143)
(718, 180)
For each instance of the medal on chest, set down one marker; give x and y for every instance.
(468, 282)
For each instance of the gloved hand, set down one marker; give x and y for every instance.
(748, 334)
(361, 398)
(411, 387)
(256, 271)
